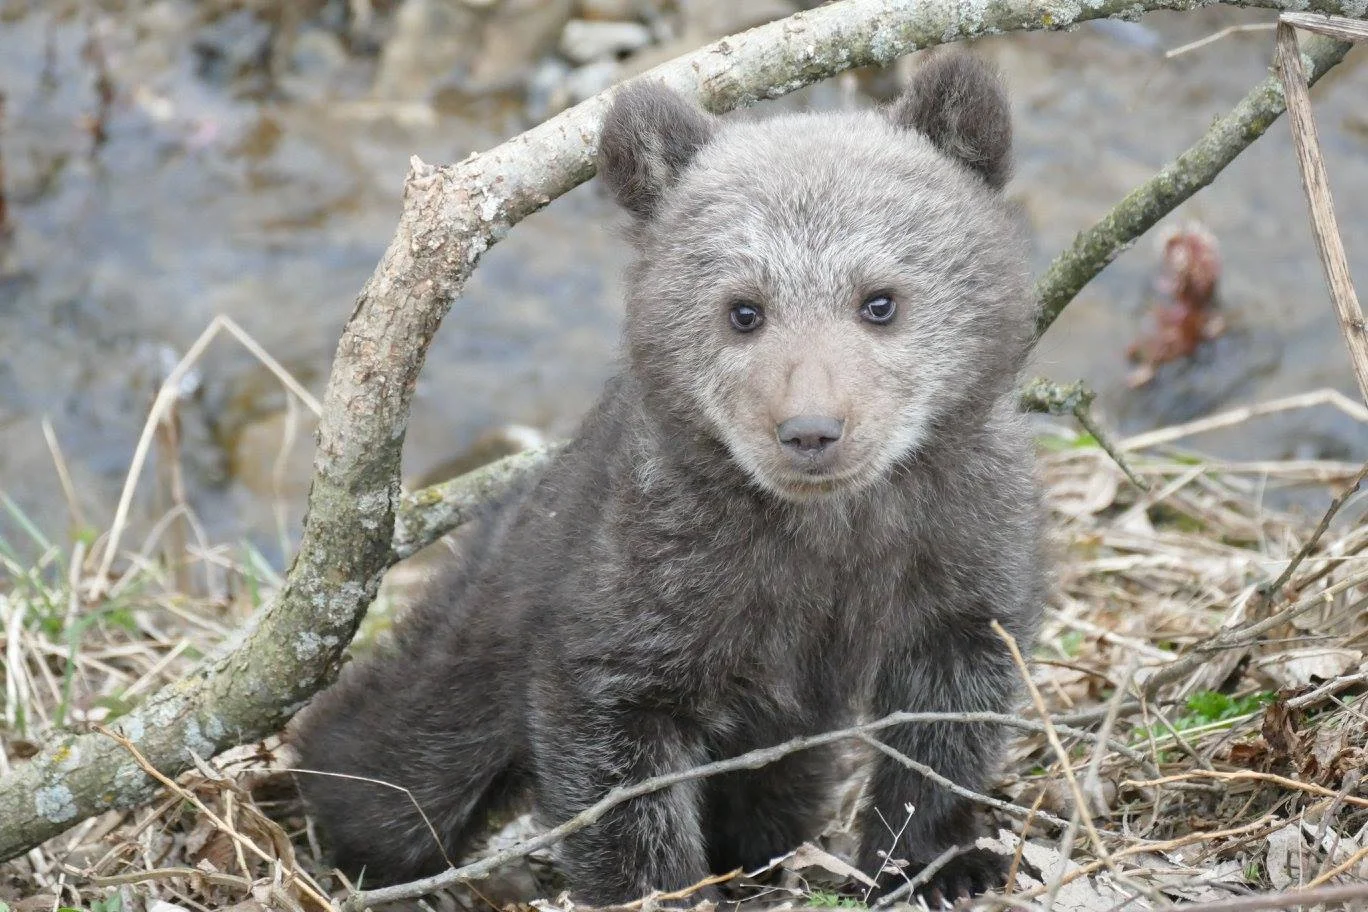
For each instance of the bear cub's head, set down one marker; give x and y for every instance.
(828, 295)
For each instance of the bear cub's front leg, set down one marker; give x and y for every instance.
(651, 842)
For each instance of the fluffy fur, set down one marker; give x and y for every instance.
(680, 586)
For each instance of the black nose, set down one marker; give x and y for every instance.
(810, 433)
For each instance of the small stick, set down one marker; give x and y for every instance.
(1217, 36)
(1317, 185)
(1244, 413)
(166, 397)
(1329, 687)
(1294, 899)
(1006, 807)
(1273, 588)
(1041, 395)
(437, 840)
(1081, 810)
(1347, 865)
(1340, 27)
(1092, 786)
(1237, 637)
(1251, 775)
(645, 901)
(215, 878)
(1145, 848)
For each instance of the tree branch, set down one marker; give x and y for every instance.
(451, 216)
(1144, 206)
(428, 514)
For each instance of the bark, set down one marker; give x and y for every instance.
(451, 216)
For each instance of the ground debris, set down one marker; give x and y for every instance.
(1213, 786)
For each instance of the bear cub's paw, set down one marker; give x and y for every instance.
(968, 874)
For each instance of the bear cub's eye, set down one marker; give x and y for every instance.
(746, 317)
(878, 309)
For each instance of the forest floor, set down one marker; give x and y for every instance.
(1237, 778)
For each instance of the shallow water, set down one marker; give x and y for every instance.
(209, 195)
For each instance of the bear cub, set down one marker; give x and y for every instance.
(803, 501)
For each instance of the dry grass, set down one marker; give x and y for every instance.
(1259, 751)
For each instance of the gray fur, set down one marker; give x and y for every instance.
(679, 586)
(958, 103)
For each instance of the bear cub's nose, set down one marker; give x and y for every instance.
(810, 434)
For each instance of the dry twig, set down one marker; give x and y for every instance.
(1317, 185)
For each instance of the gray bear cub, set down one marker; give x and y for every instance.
(803, 501)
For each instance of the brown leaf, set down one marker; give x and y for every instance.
(1330, 756)
(218, 851)
(1280, 730)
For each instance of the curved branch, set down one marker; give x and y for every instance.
(451, 216)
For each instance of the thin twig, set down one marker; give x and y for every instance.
(1275, 587)
(1081, 810)
(1245, 413)
(217, 878)
(1317, 185)
(1249, 775)
(1237, 637)
(167, 394)
(1343, 867)
(1041, 395)
(1092, 787)
(1145, 848)
(1329, 687)
(1294, 899)
(1085, 418)
(432, 830)
(1218, 35)
(711, 880)
(1007, 807)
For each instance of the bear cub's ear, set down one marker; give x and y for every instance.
(958, 102)
(649, 136)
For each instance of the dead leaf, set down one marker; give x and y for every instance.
(1279, 729)
(1085, 894)
(217, 851)
(1286, 857)
(1085, 496)
(1296, 667)
(807, 856)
